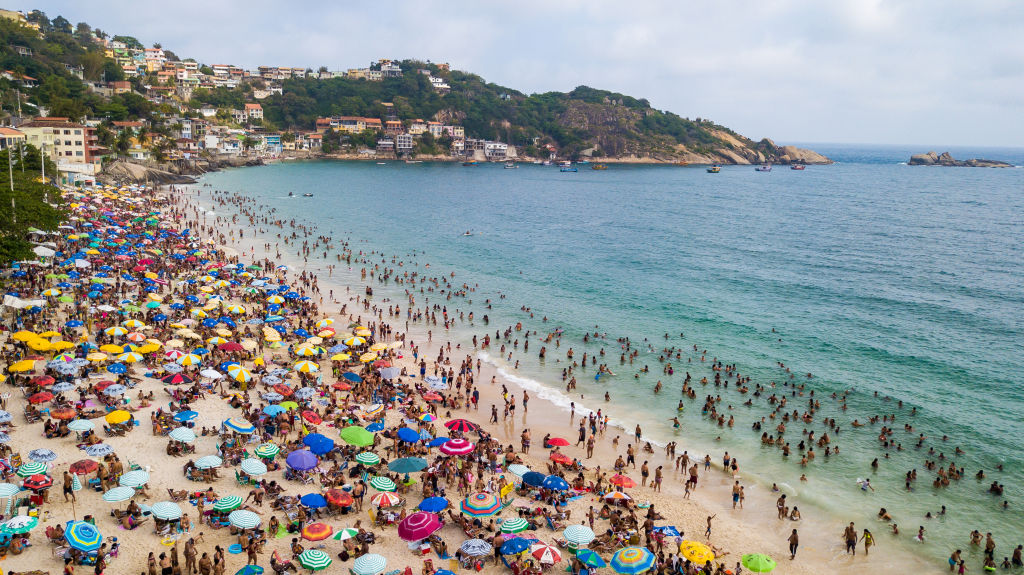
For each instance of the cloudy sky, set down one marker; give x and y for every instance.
(928, 72)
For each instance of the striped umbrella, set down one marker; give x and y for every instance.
(456, 446)
(20, 524)
(244, 519)
(346, 533)
(189, 359)
(354, 341)
(462, 425)
(316, 560)
(83, 536)
(386, 499)
(8, 489)
(182, 434)
(632, 560)
(227, 503)
(118, 494)
(267, 450)
(545, 553)
(31, 468)
(306, 366)
(239, 425)
(239, 373)
(208, 461)
(578, 534)
(253, 466)
(369, 564)
(115, 331)
(476, 547)
(166, 510)
(317, 531)
(136, 478)
(518, 469)
(480, 505)
(381, 483)
(42, 455)
(130, 357)
(368, 458)
(515, 525)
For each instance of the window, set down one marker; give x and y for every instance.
(78, 142)
(67, 142)
(67, 132)
(78, 153)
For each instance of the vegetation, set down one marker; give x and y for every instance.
(29, 200)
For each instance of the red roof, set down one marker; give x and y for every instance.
(253, 107)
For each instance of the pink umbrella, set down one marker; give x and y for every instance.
(456, 447)
(419, 526)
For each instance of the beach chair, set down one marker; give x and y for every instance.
(241, 480)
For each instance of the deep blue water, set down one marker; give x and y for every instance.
(874, 276)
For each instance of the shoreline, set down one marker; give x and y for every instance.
(822, 543)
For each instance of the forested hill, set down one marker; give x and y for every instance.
(602, 123)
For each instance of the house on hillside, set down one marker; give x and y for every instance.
(254, 112)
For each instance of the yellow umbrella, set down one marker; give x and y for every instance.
(96, 356)
(341, 357)
(306, 367)
(174, 343)
(111, 348)
(23, 365)
(697, 552)
(155, 342)
(367, 357)
(155, 297)
(324, 322)
(315, 340)
(354, 341)
(362, 332)
(378, 347)
(326, 333)
(119, 416)
(50, 333)
(61, 345)
(148, 348)
(178, 325)
(38, 344)
(24, 335)
(305, 351)
(151, 275)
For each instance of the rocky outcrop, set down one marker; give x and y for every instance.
(945, 159)
(131, 172)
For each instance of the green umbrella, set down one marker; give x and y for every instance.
(355, 435)
(20, 524)
(758, 562)
(368, 458)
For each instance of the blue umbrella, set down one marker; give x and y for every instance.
(83, 536)
(434, 504)
(375, 426)
(438, 441)
(200, 351)
(514, 546)
(250, 570)
(273, 410)
(313, 500)
(318, 443)
(302, 460)
(353, 377)
(160, 317)
(74, 323)
(590, 558)
(337, 348)
(186, 415)
(408, 435)
(667, 530)
(117, 368)
(533, 478)
(554, 482)
(177, 306)
(302, 333)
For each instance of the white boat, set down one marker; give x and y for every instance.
(763, 168)
(510, 165)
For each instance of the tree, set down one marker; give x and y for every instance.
(83, 33)
(61, 24)
(26, 207)
(157, 45)
(204, 69)
(39, 17)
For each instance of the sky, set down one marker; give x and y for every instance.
(929, 72)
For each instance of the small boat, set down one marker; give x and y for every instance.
(382, 163)
(468, 233)
(599, 167)
(414, 161)
(510, 165)
(797, 167)
(546, 163)
(291, 194)
(763, 168)
(470, 163)
(307, 195)
(583, 162)
(569, 169)
(714, 169)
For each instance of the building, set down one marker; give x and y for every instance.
(9, 138)
(403, 144)
(390, 69)
(120, 86)
(67, 143)
(435, 129)
(439, 85)
(385, 145)
(393, 127)
(254, 111)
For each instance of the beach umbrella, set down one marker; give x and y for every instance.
(616, 496)
(408, 465)
(367, 357)
(22, 366)
(317, 531)
(250, 570)
(267, 450)
(385, 499)
(239, 425)
(314, 500)
(211, 374)
(186, 415)
(272, 397)
(622, 481)
(41, 397)
(408, 435)
(375, 427)
(427, 417)
(632, 560)
(31, 468)
(19, 525)
(42, 455)
(555, 483)
(433, 504)
(338, 497)
(253, 467)
(558, 442)
(667, 530)
(61, 388)
(302, 460)
(545, 554)
(418, 526)
(111, 348)
(239, 373)
(136, 478)
(353, 341)
(306, 366)
(4, 437)
(515, 525)
(176, 379)
(368, 458)
(304, 393)
(83, 467)
(228, 503)
(515, 546)
(345, 533)
(182, 434)
(166, 510)
(208, 461)
(117, 417)
(115, 331)
(438, 441)
(480, 505)
(580, 535)
(5, 416)
(381, 483)
(476, 547)
(98, 450)
(37, 482)
(696, 551)
(456, 446)
(189, 359)
(116, 389)
(560, 458)
(244, 519)
(758, 562)
(518, 469)
(118, 494)
(317, 560)
(83, 536)
(369, 564)
(357, 436)
(590, 558)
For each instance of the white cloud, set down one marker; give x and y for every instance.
(897, 71)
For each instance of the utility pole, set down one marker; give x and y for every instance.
(10, 170)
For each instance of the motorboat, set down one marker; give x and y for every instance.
(510, 165)
(714, 169)
(763, 168)
(797, 167)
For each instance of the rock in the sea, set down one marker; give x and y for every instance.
(946, 159)
(928, 159)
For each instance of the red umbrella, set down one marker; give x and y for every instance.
(230, 346)
(342, 386)
(456, 447)
(38, 481)
(382, 363)
(283, 389)
(317, 531)
(418, 526)
(63, 413)
(43, 380)
(558, 441)
(338, 497)
(145, 262)
(83, 467)
(312, 417)
(103, 385)
(560, 458)
(41, 397)
(139, 269)
(622, 481)
(431, 396)
(463, 425)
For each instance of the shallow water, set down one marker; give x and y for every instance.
(875, 277)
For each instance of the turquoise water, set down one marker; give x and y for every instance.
(874, 276)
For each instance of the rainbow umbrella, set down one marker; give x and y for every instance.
(632, 560)
(480, 505)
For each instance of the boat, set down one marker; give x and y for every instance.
(307, 195)
(546, 163)
(583, 162)
(564, 164)
(414, 161)
(599, 167)
(763, 168)
(382, 163)
(714, 169)
(469, 163)
(468, 233)
(291, 194)
(510, 165)
(568, 169)
(797, 167)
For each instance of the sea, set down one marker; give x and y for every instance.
(898, 286)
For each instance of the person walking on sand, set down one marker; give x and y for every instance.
(707, 532)
(868, 540)
(850, 535)
(794, 542)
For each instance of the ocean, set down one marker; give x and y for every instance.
(890, 282)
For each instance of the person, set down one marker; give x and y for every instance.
(794, 542)
(707, 533)
(165, 565)
(868, 540)
(68, 482)
(850, 535)
(954, 560)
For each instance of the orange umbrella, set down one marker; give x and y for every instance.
(560, 458)
(41, 397)
(622, 481)
(338, 497)
(317, 531)
(342, 385)
(312, 417)
(63, 413)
